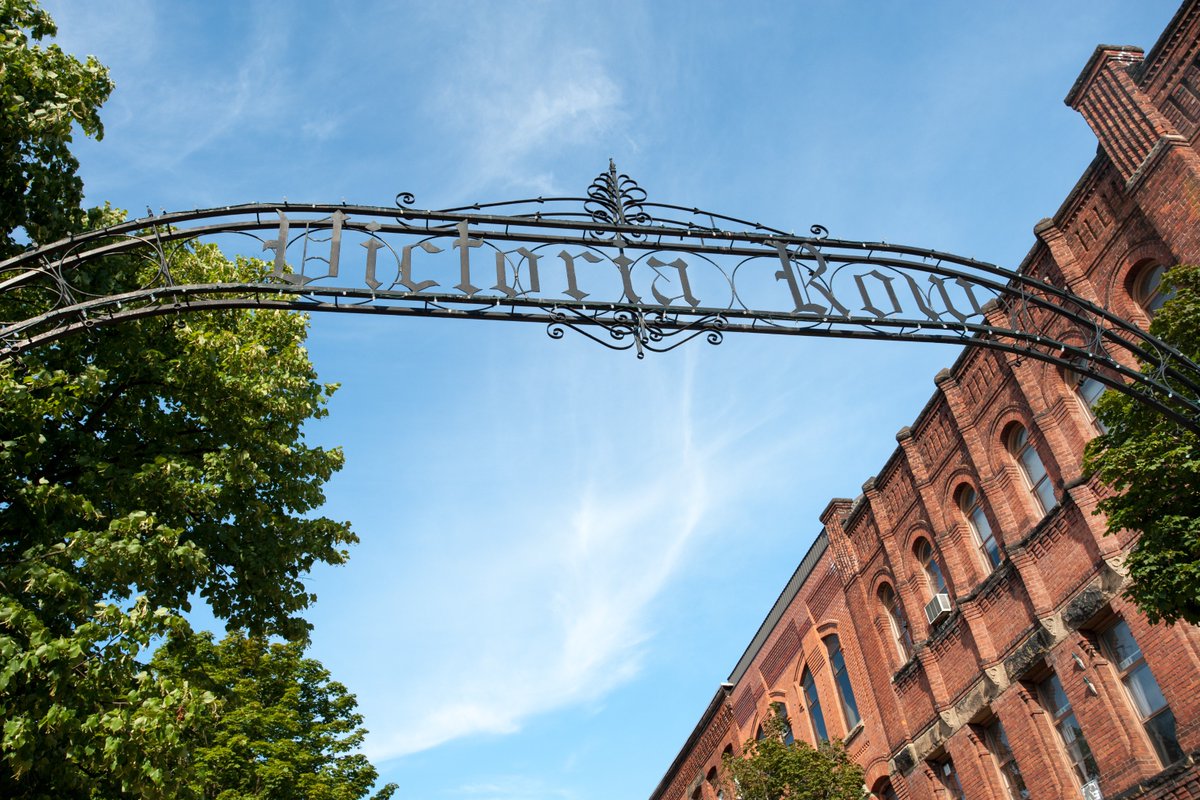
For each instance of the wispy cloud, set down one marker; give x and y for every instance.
(538, 593)
(515, 98)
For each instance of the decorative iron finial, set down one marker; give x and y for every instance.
(616, 199)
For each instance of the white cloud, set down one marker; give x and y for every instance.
(520, 93)
(540, 596)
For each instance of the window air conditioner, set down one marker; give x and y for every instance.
(1091, 790)
(938, 608)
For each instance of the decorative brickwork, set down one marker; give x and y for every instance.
(1020, 637)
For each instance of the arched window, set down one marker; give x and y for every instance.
(1147, 288)
(781, 713)
(972, 510)
(934, 579)
(814, 706)
(1026, 456)
(841, 678)
(896, 619)
(1088, 390)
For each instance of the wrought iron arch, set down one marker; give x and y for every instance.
(626, 272)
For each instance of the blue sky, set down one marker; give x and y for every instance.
(565, 550)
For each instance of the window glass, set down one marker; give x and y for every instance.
(948, 778)
(781, 712)
(1088, 390)
(814, 706)
(929, 565)
(898, 622)
(1031, 465)
(997, 742)
(1148, 701)
(1054, 699)
(1148, 290)
(841, 677)
(973, 510)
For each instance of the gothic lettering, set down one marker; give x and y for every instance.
(625, 265)
(372, 244)
(406, 266)
(966, 286)
(868, 303)
(680, 265)
(815, 281)
(502, 284)
(464, 243)
(569, 263)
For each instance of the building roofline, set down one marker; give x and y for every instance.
(799, 577)
(714, 705)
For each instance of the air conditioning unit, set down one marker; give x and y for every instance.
(1091, 790)
(938, 608)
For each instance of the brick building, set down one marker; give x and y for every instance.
(960, 623)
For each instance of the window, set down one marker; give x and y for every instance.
(929, 565)
(1148, 289)
(1088, 390)
(814, 706)
(841, 679)
(1054, 700)
(943, 770)
(1125, 655)
(1027, 458)
(781, 713)
(997, 743)
(714, 783)
(972, 509)
(897, 621)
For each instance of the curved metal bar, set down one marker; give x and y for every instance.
(615, 225)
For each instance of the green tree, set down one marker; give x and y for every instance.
(141, 466)
(1153, 466)
(284, 729)
(44, 94)
(770, 769)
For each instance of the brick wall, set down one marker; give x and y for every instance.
(1041, 614)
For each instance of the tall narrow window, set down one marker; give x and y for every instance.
(1054, 699)
(929, 566)
(841, 677)
(1088, 390)
(1027, 458)
(781, 713)
(898, 623)
(814, 706)
(972, 509)
(947, 776)
(1126, 656)
(1148, 290)
(997, 743)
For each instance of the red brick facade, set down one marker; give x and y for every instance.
(1037, 649)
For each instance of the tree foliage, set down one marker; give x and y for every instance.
(1153, 465)
(44, 94)
(142, 466)
(284, 728)
(770, 769)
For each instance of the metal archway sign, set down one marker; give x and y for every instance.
(625, 272)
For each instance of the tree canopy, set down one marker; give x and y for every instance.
(142, 467)
(1153, 466)
(770, 768)
(44, 95)
(284, 728)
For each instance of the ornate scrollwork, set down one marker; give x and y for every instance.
(616, 199)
